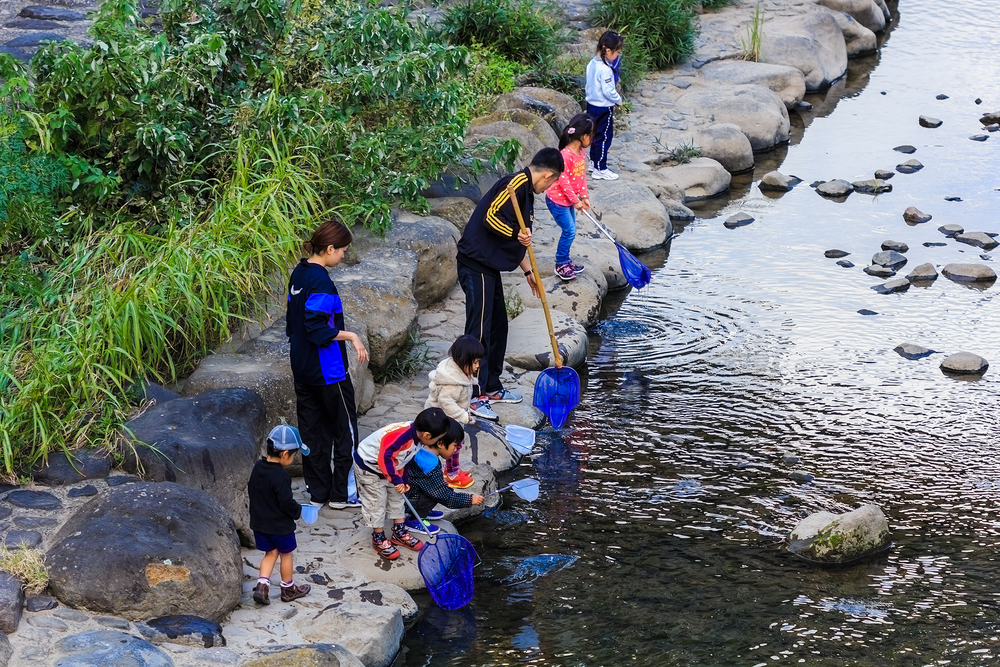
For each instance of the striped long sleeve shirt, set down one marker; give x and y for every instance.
(489, 243)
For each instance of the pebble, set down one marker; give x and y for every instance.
(34, 500)
(846, 263)
(68, 614)
(865, 311)
(934, 244)
(979, 137)
(47, 622)
(953, 199)
(905, 148)
(40, 603)
(833, 254)
(941, 96)
(83, 491)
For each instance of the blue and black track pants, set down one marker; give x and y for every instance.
(328, 424)
(486, 319)
(604, 119)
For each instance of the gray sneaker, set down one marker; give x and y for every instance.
(504, 396)
(481, 409)
(344, 504)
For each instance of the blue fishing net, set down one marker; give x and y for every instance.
(557, 392)
(636, 273)
(446, 566)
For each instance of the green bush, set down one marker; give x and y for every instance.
(523, 31)
(714, 4)
(490, 75)
(658, 33)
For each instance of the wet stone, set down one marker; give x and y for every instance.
(941, 96)
(800, 476)
(909, 167)
(865, 311)
(889, 259)
(835, 188)
(738, 220)
(879, 271)
(965, 363)
(977, 239)
(905, 148)
(21, 539)
(31, 24)
(83, 491)
(35, 40)
(912, 351)
(846, 263)
(68, 614)
(872, 187)
(951, 230)
(979, 137)
(929, 121)
(934, 244)
(995, 127)
(834, 254)
(34, 521)
(51, 13)
(914, 215)
(922, 273)
(41, 603)
(969, 273)
(884, 174)
(898, 246)
(893, 286)
(48, 623)
(953, 199)
(34, 500)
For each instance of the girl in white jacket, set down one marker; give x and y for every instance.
(602, 98)
(451, 390)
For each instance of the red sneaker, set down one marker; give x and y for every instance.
(404, 539)
(460, 480)
(384, 548)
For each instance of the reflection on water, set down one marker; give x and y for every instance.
(669, 492)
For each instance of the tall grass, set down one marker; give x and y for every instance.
(126, 304)
(751, 41)
(658, 33)
(523, 31)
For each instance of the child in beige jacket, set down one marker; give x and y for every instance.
(451, 390)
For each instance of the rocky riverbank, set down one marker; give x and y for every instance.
(159, 537)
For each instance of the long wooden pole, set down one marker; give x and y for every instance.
(538, 278)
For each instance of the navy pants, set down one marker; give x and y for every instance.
(486, 319)
(604, 132)
(328, 424)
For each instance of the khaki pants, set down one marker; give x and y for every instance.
(379, 499)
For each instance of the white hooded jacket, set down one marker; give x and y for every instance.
(451, 390)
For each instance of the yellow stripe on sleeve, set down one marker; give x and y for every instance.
(492, 219)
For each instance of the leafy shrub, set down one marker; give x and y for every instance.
(519, 30)
(491, 75)
(657, 32)
(714, 4)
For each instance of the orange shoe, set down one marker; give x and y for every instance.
(460, 480)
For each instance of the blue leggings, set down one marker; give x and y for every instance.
(565, 217)
(604, 119)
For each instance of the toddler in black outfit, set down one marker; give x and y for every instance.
(273, 512)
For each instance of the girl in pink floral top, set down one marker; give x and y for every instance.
(569, 193)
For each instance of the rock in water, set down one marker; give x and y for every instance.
(893, 286)
(951, 230)
(969, 273)
(905, 148)
(846, 263)
(978, 239)
(829, 538)
(738, 220)
(182, 629)
(835, 188)
(990, 118)
(928, 121)
(923, 273)
(879, 271)
(872, 187)
(965, 363)
(979, 137)
(914, 215)
(164, 549)
(834, 254)
(909, 167)
(775, 180)
(889, 259)
(898, 246)
(912, 351)
(884, 174)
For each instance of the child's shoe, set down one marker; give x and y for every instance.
(460, 480)
(261, 592)
(384, 547)
(480, 407)
(419, 528)
(577, 268)
(565, 271)
(293, 592)
(604, 175)
(434, 515)
(402, 537)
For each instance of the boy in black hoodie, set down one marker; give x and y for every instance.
(273, 512)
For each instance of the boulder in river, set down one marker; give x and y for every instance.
(912, 351)
(898, 246)
(756, 110)
(928, 121)
(914, 215)
(776, 181)
(879, 271)
(700, 178)
(834, 254)
(857, 38)
(884, 174)
(965, 363)
(812, 43)
(951, 230)
(726, 144)
(923, 273)
(909, 167)
(893, 286)
(828, 538)
(786, 82)
(871, 187)
(977, 239)
(990, 118)
(738, 220)
(889, 259)
(835, 188)
(969, 273)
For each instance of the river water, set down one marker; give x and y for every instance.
(657, 539)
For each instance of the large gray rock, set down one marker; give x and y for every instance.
(268, 376)
(866, 12)
(858, 38)
(965, 363)
(600, 256)
(108, 648)
(829, 538)
(63, 469)
(812, 43)
(529, 346)
(11, 603)
(371, 632)
(209, 442)
(310, 655)
(922, 273)
(977, 239)
(701, 178)
(889, 259)
(502, 130)
(182, 629)
(380, 290)
(756, 110)
(434, 240)
(726, 144)
(786, 82)
(556, 108)
(915, 216)
(969, 273)
(535, 123)
(658, 182)
(778, 182)
(456, 210)
(580, 298)
(835, 188)
(632, 213)
(6, 650)
(148, 549)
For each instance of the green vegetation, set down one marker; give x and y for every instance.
(751, 41)
(154, 185)
(714, 4)
(522, 31)
(685, 152)
(658, 33)
(513, 304)
(413, 358)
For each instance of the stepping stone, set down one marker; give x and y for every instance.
(31, 24)
(965, 363)
(34, 500)
(889, 259)
(911, 351)
(969, 273)
(979, 137)
(775, 180)
(922, 273)
(834, 254)
(906, 148)
(36, 39)
(872, 187)
(21, 539)
(915, 216)
(884, 174)
(835, 188)
(51, 13)
(977, 239)
(909, 167)
(892, 286)
(951, 230)
(738, 220)
(879, 271)
(846, 263)
(898, 246)
(928, 121)
(40, 603)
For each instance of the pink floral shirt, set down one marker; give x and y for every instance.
(572, 185)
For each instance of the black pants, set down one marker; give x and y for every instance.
(421, 502)
(486, 319)
(604, 133)
(328, 424)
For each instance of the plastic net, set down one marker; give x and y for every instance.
(636, 273)
(557, 392)
(446, 566)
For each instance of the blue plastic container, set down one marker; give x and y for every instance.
(310, 513)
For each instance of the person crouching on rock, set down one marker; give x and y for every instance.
(428, 486)
(273, 512)
(380, 472)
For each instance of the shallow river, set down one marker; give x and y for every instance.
(658, 536)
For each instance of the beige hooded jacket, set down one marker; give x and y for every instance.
(451, 390)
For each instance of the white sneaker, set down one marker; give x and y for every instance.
(605, 175)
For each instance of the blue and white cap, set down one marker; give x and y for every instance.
(286, 438)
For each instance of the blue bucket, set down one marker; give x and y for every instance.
(310, 513)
